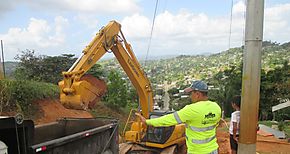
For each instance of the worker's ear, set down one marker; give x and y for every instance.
(198, 94)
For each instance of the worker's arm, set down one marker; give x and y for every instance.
(235, 128)
(166, 120)
(170, 119)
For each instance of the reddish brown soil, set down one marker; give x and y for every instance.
(51, 110)
(270, 144)
(264, 145)
(223, 140)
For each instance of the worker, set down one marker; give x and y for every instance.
(201, 119)
(234, 124)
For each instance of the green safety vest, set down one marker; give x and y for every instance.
(201, 120)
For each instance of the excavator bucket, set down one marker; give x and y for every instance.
(86, 93)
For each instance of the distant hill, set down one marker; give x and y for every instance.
(10, 67)
(183, 67)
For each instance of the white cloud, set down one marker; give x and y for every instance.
(239, 7)
(103, 7)
(136, 26)
(277, 23)
(39, 35)
(112, 6)
(89, 20)
(183, 32)
(186, 32)
(87, 12)
(85, 6)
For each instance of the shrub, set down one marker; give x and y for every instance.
(281, 125)
(20, 94)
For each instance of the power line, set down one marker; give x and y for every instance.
(231, 20)
(150, 38)
(3, 65)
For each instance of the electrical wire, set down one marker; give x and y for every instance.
(231, 21)
(151, 33)
(244, 35)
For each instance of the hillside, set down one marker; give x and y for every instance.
(196, 66)
(185, 67)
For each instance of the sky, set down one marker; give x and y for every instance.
(182, 27)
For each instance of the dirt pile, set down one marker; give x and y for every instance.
(223, 138)
(51, 110)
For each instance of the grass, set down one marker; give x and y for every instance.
(20, 95)
(267, 123)
(287, 128)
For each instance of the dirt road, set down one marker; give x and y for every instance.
(264, 144)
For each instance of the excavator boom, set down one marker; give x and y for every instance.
(77, 94)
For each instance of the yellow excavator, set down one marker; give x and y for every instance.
(77, 93)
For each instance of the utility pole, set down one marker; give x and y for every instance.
(2, 66)
(251, 77)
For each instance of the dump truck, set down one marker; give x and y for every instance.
(65, 136)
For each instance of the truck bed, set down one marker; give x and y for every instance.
(67, 135)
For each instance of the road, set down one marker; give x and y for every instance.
(166, 97)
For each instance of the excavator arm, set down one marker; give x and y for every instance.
(77, 93)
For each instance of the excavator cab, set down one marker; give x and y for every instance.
(158, 135)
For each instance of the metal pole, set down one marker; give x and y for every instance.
(2, 71)
(251, 77)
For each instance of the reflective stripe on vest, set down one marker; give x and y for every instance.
(177, 118)
(203, 141)
(203, 129)
(213, 152)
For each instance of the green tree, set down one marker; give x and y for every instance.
(42, 68)
(97, 71)
(173, 91)
(47, 68)
(133, 97)
(275, 85)
(227, 83)
(117, 95)
(180, 103)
